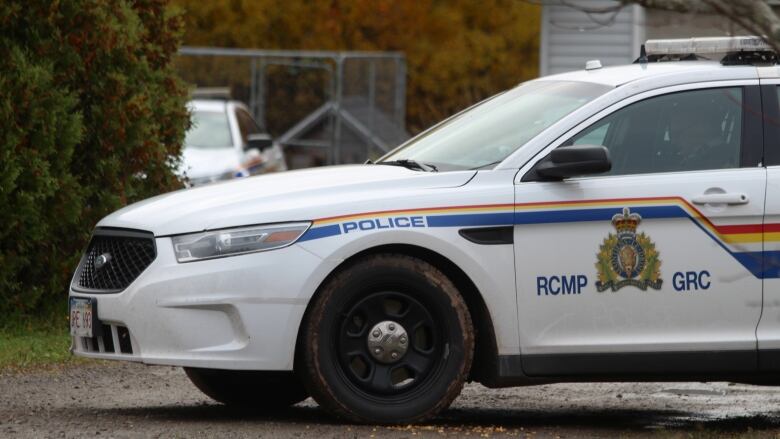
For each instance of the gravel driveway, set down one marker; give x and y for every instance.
(128, 400)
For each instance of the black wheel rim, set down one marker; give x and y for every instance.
(410, 372)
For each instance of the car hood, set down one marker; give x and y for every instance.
(200, 163)
(278, 197)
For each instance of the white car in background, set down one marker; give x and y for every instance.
(225, 142)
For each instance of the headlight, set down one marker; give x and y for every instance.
(230, 242)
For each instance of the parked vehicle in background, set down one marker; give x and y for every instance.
(225, 142)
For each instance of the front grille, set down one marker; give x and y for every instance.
(114, 259)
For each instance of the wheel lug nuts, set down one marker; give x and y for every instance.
(387, 341)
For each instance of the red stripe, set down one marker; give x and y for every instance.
(768, 228)
(749, 228)
(741, 228)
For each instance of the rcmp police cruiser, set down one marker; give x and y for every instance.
(614, 223)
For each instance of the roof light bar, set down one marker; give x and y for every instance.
(211, 93)
(706, 45)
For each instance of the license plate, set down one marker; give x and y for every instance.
(83, 315)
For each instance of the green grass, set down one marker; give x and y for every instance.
(36, 348)
(35, 341)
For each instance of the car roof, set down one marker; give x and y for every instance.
(216, 105)
(695, 70)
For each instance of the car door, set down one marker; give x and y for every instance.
(654, 266)
(768, 332)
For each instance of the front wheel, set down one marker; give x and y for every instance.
(266, 390)
(388, 340)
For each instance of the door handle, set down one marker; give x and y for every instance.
(728, 198)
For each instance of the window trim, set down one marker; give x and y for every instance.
(251, 120)
(752, 147)
(771, 109)
(235, 131)
(751, 96)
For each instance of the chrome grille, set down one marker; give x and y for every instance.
(114, 259)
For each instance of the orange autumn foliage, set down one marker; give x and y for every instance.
(458, 51)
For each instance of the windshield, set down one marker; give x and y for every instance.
(210, 129)
(490, 131)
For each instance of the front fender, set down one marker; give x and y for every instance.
(490, 267)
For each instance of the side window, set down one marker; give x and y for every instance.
(594, 136)
(246, 124)
(684, 131)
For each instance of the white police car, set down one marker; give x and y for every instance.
(610, 224)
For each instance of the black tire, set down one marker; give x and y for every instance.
(266, 390)
(345, 378)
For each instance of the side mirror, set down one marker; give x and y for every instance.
(571, 161)
(259, 141)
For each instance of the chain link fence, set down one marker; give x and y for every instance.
(323, 107)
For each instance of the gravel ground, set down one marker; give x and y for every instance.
(129, 400)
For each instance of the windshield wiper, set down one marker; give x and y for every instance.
(410, 164)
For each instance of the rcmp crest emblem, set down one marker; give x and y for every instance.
(626, 258)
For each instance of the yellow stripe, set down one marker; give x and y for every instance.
(742, 238)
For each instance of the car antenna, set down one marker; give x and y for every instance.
(642, 55)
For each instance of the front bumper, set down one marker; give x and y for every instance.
(240, 312)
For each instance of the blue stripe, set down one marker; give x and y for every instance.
(600, 214)
(321, 232)
(753, 261)
(771, 264)
(473, 219)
